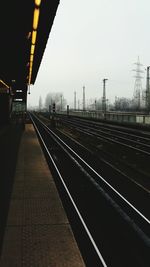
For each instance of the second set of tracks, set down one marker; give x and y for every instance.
(113, 225)
(125, 147)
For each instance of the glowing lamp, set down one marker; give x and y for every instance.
(32, 49)
(36, 18)
(34, 34)
(37, 2)
(31, 58)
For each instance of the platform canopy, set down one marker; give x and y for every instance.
(24, 30)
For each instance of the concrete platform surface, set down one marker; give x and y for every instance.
(37, 233)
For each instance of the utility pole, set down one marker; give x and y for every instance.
(50, 107)
(75, 100)
(147, 91)
(68, 110)
(83, 97)
(104, 97)
(95, 103)
(78, 104)
(61, 100)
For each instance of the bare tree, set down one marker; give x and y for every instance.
(123, 104)
(56, 98)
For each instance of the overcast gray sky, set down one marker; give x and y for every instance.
(91, 40)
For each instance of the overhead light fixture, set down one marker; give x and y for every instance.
(32, 49)
(37, 2)
(34, 34)
(31, 58)
(18, 99)
(36, 18)
(36, 15)
(4, 84)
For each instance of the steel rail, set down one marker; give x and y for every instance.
(82, 160)
(112, 166)
(71, 199)
(117, 142)
(110, 129)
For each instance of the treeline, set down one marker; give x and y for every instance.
(120, 103)
(51, 98)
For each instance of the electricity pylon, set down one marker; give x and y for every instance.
(137, 95)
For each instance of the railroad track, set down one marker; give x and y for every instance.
(128, 155)
(116, 233)
(121, 136)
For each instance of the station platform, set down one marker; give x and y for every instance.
(37, 232)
